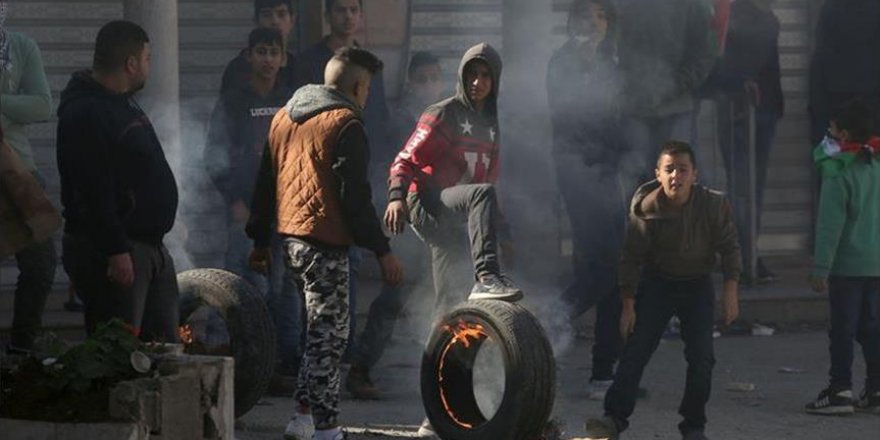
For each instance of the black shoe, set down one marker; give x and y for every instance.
(869, 402)
(603, 428)
(832, 401)
(495, 287)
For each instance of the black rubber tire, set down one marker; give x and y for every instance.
(529, 367)
(250, 327)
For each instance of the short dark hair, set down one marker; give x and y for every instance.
(266, 36)
(856, 117)
(359, 57)
(328, 5)
(116, 42)
(263, 4)
(420, 59)
(675, 148)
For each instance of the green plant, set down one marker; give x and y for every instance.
(74, 386)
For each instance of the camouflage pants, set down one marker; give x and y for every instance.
(322, 277)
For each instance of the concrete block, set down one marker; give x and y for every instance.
(180, 397)
(137, 401)
(214, 376)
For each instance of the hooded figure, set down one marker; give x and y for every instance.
(443, 179)
(453, 143)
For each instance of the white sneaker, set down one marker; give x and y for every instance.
(426, 430)
(330, 434)
(300, 427)
(598, 388)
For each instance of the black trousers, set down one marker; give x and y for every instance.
(658, 300)
(445, 220)
(36, 273)
(149, 305)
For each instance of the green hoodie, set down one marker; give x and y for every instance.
(848, 227)
(26, 98)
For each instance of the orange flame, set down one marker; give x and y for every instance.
(185, 333)
(464, 333)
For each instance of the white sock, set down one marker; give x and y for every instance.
(327, 434)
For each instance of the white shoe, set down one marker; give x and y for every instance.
(300, 427)
(426, 430)
(330, 434)
(598, 388)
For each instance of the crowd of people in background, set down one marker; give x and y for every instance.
(307, 153)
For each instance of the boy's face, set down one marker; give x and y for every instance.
(265, 60)
(836, 133)
(676, 175)
(344, 17)
(426, 84)
(590, 23)
(478, 81)
(277, 17)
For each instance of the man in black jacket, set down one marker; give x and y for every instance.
(118, 191)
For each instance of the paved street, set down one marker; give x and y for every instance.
(771, 412)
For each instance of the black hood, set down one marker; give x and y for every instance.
(490, 56)
(82, 85)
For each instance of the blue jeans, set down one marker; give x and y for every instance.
(659, 300)
(644, 137)
(855, 315)
(279, 289)
(596, 211)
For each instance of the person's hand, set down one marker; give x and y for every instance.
(395, 216)
(730, 301)
(628, 318)
(753, 92)
(392, 271)
(259, 260)
(120, 270)
(239, 211)
(508, 253)
(819, 284)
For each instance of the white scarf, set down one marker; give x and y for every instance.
(5, 58)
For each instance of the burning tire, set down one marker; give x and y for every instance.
(222, 314)
(458, 382)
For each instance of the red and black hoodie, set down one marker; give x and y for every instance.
(453, 144)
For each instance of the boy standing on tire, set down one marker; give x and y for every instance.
(847, 256)
(313, 184)
(674, 231)
(443, 183)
